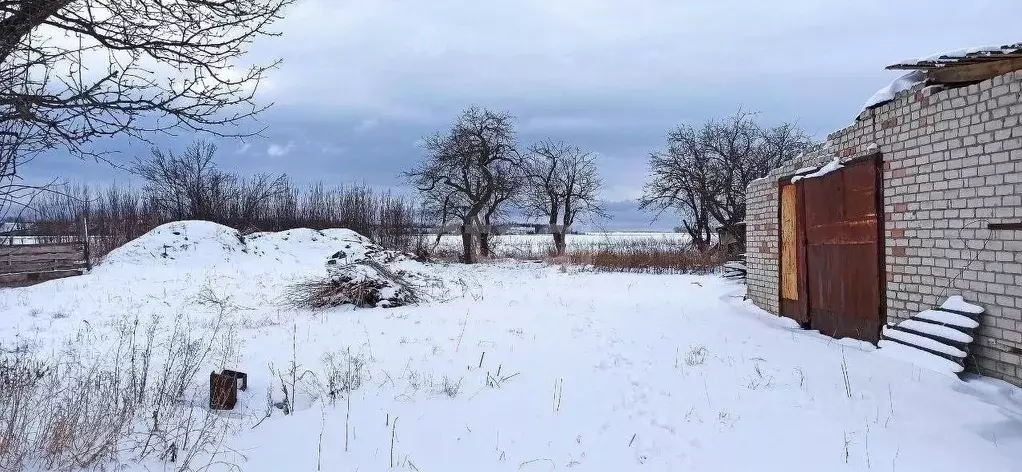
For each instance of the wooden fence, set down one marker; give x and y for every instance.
(27, 264)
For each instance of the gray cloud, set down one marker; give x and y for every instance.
(363, 81)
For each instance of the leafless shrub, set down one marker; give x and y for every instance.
(189, 185)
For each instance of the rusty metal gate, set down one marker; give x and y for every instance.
(837, 252)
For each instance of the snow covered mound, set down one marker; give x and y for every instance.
(190, 239)
(204, 244)
(357, 271)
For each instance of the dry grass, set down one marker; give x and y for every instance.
(649, 256)
(656, 255)
(137, 398)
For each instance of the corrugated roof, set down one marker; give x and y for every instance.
(961, 57)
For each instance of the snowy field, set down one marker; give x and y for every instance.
(510, 367)
(517, 244)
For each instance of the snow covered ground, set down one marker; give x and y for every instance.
(515, 367)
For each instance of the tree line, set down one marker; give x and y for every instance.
(475, 172)
(191, 186)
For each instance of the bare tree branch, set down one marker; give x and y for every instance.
(74, 71)
(703, 172)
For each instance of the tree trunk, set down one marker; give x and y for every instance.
(566, 219)
(484, 244)
(468, 249)
(554, 231)
(559, 242)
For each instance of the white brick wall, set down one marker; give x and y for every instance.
(952, 164)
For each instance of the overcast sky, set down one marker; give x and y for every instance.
(364, 80)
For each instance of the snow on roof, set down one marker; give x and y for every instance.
(901, 84)
(961, 56)
(929, 68)
(831, 166)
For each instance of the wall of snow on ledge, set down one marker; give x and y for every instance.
(901, 84)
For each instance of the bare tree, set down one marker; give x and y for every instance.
(703, 172)
(72, 71)
(460, 176)
(563, 183)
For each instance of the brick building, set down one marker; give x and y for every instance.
(919, 199)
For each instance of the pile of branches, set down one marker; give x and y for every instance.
(366, 283)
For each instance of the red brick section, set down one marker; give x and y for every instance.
(900, 207)
(898, 233)
(898, 251)
(923, 100)
(889, 123)
(899, 173)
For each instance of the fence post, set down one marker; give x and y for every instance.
(85, 231)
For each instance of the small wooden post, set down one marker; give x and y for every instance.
(85, 236)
